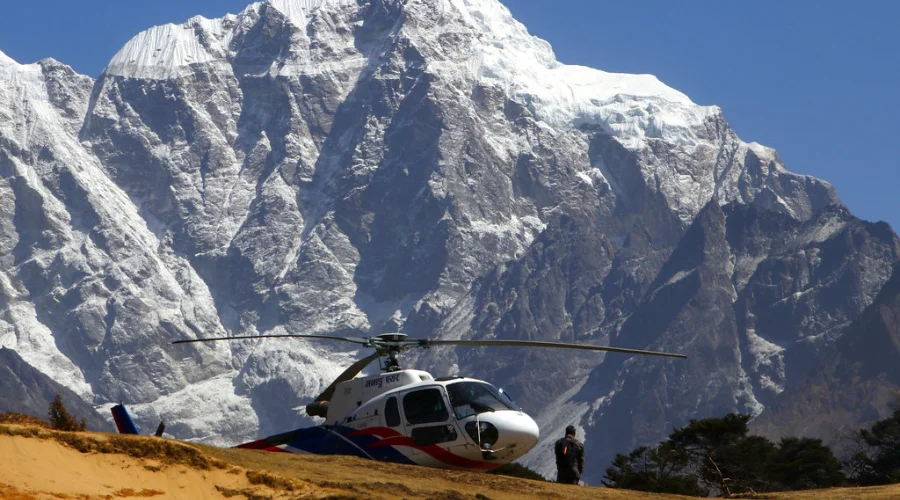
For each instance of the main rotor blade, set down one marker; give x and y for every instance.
(348, 374)
(328, 337)
(537, 343)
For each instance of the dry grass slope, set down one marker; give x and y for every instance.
(166, 451)
(42, 463)
(18, 418)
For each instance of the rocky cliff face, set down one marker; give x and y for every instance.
(852, 384)
(332, 166)
(24, 389)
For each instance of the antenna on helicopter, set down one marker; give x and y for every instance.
(390, 345)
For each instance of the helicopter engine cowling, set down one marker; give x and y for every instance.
(317, 409)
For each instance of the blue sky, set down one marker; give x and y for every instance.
(818, 81)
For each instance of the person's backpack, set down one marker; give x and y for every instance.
(565, 453)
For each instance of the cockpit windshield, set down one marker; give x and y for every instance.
(470, 398)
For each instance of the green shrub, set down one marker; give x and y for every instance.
(61, 420)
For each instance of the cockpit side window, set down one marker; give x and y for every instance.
(391, 412)
(425, 406)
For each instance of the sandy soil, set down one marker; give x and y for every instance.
(37, 463)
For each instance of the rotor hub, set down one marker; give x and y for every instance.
(391, 337)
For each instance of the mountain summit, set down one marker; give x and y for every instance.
(333, 166)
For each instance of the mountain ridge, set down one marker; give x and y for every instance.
(24, 389)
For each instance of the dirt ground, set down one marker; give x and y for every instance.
(38, 463)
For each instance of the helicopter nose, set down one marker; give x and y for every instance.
(526, 432)
(517, 432)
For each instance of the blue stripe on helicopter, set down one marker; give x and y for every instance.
(330, 440)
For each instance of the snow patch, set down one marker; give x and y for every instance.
(680, 275)
(297, 11)
(745, 395)
(225, 419)
(634, 107)
(520, 230)
(586, 178)
(5, 60)
(158, 53)
(165, 52)
(765, 153)
(22, 93)
(35, 344)
(825, 231)
(767, 357)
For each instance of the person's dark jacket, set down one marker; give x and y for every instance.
(569, 460)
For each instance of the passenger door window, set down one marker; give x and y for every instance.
(425, 406)
(392, 413)
(428, 418)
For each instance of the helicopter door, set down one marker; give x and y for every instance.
(428, 420)
(392, 414)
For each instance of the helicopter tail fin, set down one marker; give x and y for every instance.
(123, 420)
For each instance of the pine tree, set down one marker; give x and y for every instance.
(878, 462)
(717, 449)
(804, 463)
(662, 469)
(61, 420)
(716, 455)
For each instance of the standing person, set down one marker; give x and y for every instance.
(569, 458)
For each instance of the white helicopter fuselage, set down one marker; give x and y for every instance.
(408, 416)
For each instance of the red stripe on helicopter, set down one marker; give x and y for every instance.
(390, 437)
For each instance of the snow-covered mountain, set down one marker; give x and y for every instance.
(334, 166)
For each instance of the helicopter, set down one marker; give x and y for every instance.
(408, 416)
